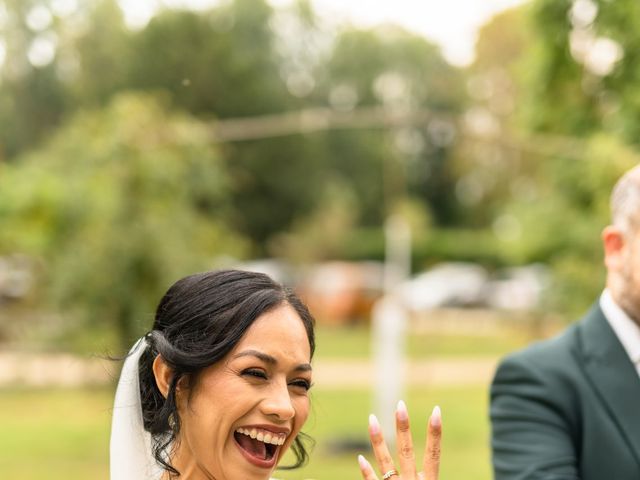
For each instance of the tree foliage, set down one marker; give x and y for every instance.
(109, 172)
(585, 72)
(118, 204)
(550, 164)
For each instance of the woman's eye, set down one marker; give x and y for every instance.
(305, 384)
(251, 372)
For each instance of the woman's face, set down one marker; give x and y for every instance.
(246, 410)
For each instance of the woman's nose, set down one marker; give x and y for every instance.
(278, 402)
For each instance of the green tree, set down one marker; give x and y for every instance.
(236, 60)
(401, 72)
(560, 222)
(579, 95)
(490, 163)
(222, 63)
(216, 63)
(546, 139)
(32, 96)
(56, 62)
(120, 203)
(100, 52)
(585, 75)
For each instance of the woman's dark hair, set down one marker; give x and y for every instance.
(199, 320)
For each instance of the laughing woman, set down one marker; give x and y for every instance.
(218, 389)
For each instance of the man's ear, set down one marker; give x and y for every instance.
(614, 243)
(163, 374)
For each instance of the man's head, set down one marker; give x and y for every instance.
(621, 242)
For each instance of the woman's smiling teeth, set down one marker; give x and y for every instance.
(263, 435)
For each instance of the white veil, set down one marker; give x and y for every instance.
(131, 457)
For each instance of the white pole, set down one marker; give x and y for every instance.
(397, 265)
(388, 348)
(389, 324)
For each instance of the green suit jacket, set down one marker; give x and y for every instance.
(568, 408)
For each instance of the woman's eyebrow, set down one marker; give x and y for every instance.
(259, 355)
(303, 367)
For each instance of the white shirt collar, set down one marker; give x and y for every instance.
(627, 331)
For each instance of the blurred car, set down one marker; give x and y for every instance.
(518, 288)
(340, 293)
(445, 285)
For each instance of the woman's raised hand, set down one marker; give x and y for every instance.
(406, 457)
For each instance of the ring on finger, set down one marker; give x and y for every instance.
(389, 474)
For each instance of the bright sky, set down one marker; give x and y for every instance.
(452, 24)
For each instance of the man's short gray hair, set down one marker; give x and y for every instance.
(625, 202)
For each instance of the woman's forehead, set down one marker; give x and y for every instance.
(278, 331)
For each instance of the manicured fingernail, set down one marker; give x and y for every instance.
(374, 425)
(436, 417)
(402, 411)
(363, 462)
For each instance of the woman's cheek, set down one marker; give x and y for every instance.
(302, 411)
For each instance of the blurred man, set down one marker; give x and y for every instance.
(569, 407)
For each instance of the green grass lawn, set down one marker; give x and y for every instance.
(64, 434)
(355, 342)
(55, 434)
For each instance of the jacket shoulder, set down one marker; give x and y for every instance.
(548, 370)
(551, 354)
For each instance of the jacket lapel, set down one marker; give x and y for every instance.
(612, 374)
